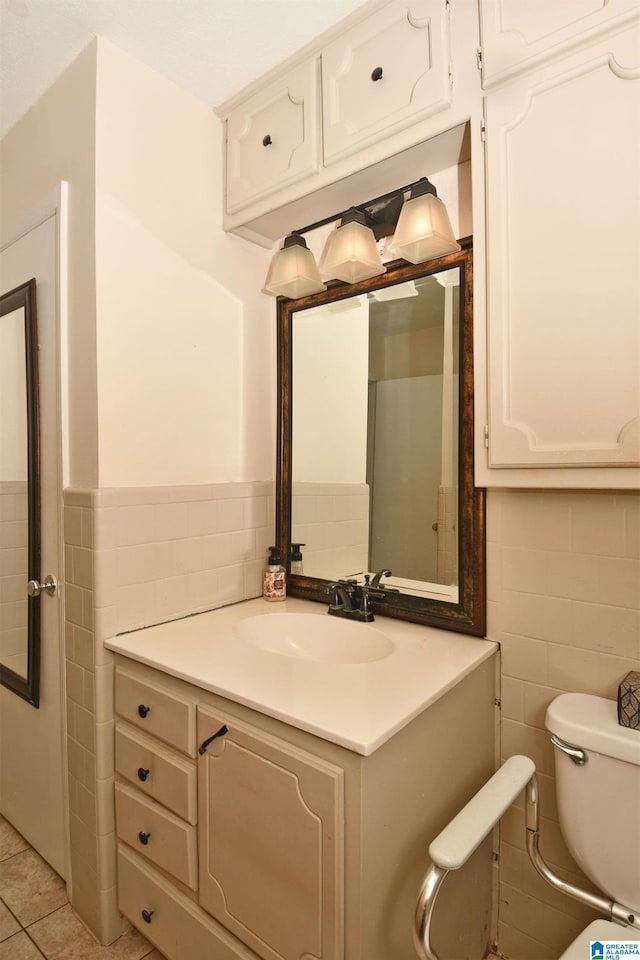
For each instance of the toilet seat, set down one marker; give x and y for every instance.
(598, 930)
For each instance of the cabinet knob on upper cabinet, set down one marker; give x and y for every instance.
(143, 838)
(267, 141)
(376, 74)
(143, 711)
(143, 774)
(146, 915)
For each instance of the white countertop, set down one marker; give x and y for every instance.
(358, 706)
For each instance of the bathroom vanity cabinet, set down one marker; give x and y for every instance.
(298, 846)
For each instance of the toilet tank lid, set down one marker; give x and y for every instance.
(592, 723)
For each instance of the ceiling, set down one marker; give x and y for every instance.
(212, 48)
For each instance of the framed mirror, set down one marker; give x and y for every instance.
(19, 493)
(375, 443)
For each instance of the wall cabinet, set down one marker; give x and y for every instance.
(394, 76)
(385, 73)
(273, 138)
(518, 36)
(563, 286)
(305, 849)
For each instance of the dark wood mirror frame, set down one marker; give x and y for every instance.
(24, 297)
(468, 615)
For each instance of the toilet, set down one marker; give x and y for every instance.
(598, 791)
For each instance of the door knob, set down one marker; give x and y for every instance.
(49, 585)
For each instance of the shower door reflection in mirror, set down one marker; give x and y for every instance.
(375, 389)
(19, 493)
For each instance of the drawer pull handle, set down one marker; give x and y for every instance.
(267, 141)
(146, 915)
(143, 774)
(376, 74)
(219, 733)
(143, 838)
(143, 711)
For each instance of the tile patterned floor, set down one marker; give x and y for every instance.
(36, 919)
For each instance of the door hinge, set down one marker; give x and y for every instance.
(479, 60)
(483, 131)
(451, 74)
(498, 703)
(486, 435)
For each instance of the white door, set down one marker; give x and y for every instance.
(32, 768)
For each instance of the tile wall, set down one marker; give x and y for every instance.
(136, 557)
(334, 517)
(564, 603)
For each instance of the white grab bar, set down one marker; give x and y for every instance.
(463, 835)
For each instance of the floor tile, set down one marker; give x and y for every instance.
(29, 887)
(61, 936)
(10, 840)
(8, 923)
(19, 947)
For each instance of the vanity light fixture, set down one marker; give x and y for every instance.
(293, 272)
(424, 230)
(352, 253)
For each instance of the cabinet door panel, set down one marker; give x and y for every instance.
(410, 45)
(272, 140)
(519, 34)
(563, 202)
(271, 842)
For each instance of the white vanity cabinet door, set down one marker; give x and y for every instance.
(519, 34)
(563, 208)
(405, 45)
(273, 138)
(271, 841)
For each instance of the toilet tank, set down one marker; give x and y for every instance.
(599, 802)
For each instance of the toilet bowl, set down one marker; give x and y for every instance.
(598, 790)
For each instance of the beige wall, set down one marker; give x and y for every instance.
(55, 141)
(185, 339)
(564, 602)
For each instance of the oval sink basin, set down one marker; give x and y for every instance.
(308, 636)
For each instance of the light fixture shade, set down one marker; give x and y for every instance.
(351, 254)
(423, 231)
(293, 272)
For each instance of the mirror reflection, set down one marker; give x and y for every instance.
(375, 444)
(19, 494)
(375, 387)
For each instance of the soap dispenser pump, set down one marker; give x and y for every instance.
(296, 557)
(274, 584)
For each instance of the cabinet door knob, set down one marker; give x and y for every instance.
(143, 838)
(143, 774)
(376, 74)
(143, 711)
(146, 915)
(267, 141)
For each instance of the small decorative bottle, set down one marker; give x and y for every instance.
(274, 584)
(296, 557)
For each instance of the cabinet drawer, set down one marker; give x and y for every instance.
(157, 711)
(157, 772)
(157, 834)
(176, 926)
(389, 71)
(272, 139)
